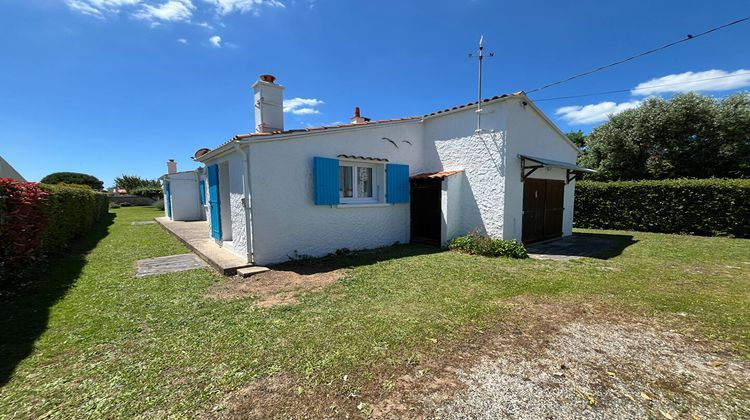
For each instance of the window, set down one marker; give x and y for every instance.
(360, 182)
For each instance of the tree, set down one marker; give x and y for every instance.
(687, 136)
(73, 178)
(132, 182)
(578, 138)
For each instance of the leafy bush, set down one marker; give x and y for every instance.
(476, 243)
(22, 223)
(133, 182)
(73, 178)
(37, 219)
(150, 192)
(159, 204)
(71, 211)
(698, 206)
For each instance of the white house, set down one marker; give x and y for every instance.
(276, 194)
(184, 193)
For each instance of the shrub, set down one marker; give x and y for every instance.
(150, 192)
(36, 219)
(697, 206)
(114, 206)
(476, 243)
(73, 178)
(133, 182)
(22, 222)
(159, 204)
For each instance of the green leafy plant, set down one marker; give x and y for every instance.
(159, 204)
(479, 244)
(132, 182)
(693, 206)
(150, 192)
(73, 178)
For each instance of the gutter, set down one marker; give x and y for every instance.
(247, 201)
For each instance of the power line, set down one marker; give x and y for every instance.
(633, 57)
(643, 88)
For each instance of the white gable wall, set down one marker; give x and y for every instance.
(286, 221)
(184, 197)
(530, 134)
(450, 144)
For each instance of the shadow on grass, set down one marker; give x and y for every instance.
(24, 313)
(593, 245)
(350, 259)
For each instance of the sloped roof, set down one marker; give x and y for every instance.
(435, 175)
(358, 125)
(7, 171)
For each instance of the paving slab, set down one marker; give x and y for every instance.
(195, 235)
(143, 222)
(249, 271)
(169, 264)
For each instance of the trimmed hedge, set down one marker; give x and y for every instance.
(38, 219)
(688, 206)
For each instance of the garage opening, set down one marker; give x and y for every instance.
(542, 209)
(426, 217)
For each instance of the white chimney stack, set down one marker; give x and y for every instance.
(269, 105)
(171, 166)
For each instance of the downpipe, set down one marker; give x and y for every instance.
(247, 201)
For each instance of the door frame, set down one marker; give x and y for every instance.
(542, 213)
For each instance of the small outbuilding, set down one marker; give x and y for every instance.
(184, 193)
(498, 166)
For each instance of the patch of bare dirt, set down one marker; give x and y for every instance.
(541, 359)
(276, 287)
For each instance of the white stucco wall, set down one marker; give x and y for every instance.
(450, 144)
(530, 134)
(453, 208)
(184, 197)
(285, 219)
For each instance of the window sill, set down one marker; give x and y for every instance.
(361, 205)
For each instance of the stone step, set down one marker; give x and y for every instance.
(249, 271)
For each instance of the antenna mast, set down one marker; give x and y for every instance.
(480, 57)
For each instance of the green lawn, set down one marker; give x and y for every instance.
(93, 340)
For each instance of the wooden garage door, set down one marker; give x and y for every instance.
(542, 209)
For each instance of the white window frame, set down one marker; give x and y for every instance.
(378, 182)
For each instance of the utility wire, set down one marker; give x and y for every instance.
(643, 88)
(633, 57)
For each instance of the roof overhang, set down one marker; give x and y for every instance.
(436, 175)
(529, 164)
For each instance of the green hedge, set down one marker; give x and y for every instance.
(71, 211)
(690, 206)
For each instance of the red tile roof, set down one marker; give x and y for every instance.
(435, 175)
(328, 127)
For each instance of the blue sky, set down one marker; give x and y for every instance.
(109, 87)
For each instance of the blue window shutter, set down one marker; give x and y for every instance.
(202, 191)
(168, 199)
(213, 199)
(326, 180)
(397, 188)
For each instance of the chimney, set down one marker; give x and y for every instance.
(269, 105)
(357, 118)
(171, 166)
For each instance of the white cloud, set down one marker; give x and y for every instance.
(593, 113)
(706, 81)
(99, 8)
(215, 41)
(224, 7)
(182, 40)
(205, 25)
(170, 11)
(302, 106)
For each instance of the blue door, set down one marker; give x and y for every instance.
(213, 200)
(202, 191)
(168, 199)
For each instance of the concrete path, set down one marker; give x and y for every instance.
(196, 236)
(170, 264)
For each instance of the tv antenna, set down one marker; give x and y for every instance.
(480, 57)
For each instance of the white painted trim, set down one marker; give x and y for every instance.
(355, 205)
